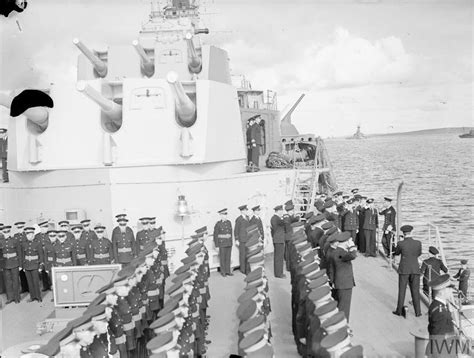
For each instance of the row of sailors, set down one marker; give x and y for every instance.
(26, 254)
(181, 327)
(319, 302)
(130, 316)
(254, 336)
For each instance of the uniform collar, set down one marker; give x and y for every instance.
(440, 300)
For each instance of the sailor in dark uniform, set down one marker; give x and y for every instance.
(223, 241)
(21, 237)
(64, 251)
(431, 268)
(11, 251)
(49, 258)
(144, 235)
(32, 259)
(101, 252)
(257, 220)
(240, 234)
(351, 219)
(340, 271)
(87, 234)
(123, 242)
(277, 225)
(389, 225)
(289, 218)
(463, 277)
(361, 206)
(256, 142)
(440, 321)
(43, 238)
(408, 271)
(250, 123)
(81, 246)
(371, 224)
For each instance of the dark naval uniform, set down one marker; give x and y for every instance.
(288, 220)
(371, 223)
(48, 263)
(255, 142)
(360, 239)
(88, 235)
(223, 241)
(123, 245)
(441, 330)
(240, 234)
(21, 237)
(255, 220)
(389, 219)
(32, 258)
(430, 269)
(341, 275)
(408, 273)
(351, 222)
(463, 277)
(101, 252)
(81, 249)
(65, 255)
(43, 238)
(278, 235)
(144, 237)
(11, 251)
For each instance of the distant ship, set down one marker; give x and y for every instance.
(358, 134)
(467, 135)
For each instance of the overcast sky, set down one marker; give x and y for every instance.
(388, 65)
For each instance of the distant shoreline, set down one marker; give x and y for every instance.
(449, 130)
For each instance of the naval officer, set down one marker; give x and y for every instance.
(278, 235)
(123, 241)
(440, 322)
(240, 234)
(408, 271)
(389, 226)
(223, 241)
(371, 224)
(257, 220)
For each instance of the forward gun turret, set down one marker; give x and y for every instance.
(111, 110)
(147, 64)
(99, 66)
(185, 108)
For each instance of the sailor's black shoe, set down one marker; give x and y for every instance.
(396, 313)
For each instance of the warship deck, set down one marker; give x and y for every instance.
(374, 326)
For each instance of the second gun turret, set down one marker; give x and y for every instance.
(185, 107)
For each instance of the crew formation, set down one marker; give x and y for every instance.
(27, 259)
(130, 316)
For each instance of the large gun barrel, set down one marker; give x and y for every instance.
(148, 67)
(185, 107)
(99, 65)
(111, 109)
(195, 63)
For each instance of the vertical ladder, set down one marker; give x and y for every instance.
(305, 186)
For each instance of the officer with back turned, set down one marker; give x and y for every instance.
(223, 241)
(408, 271)
(431, 268)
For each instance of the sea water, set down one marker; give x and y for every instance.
(438, 175)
